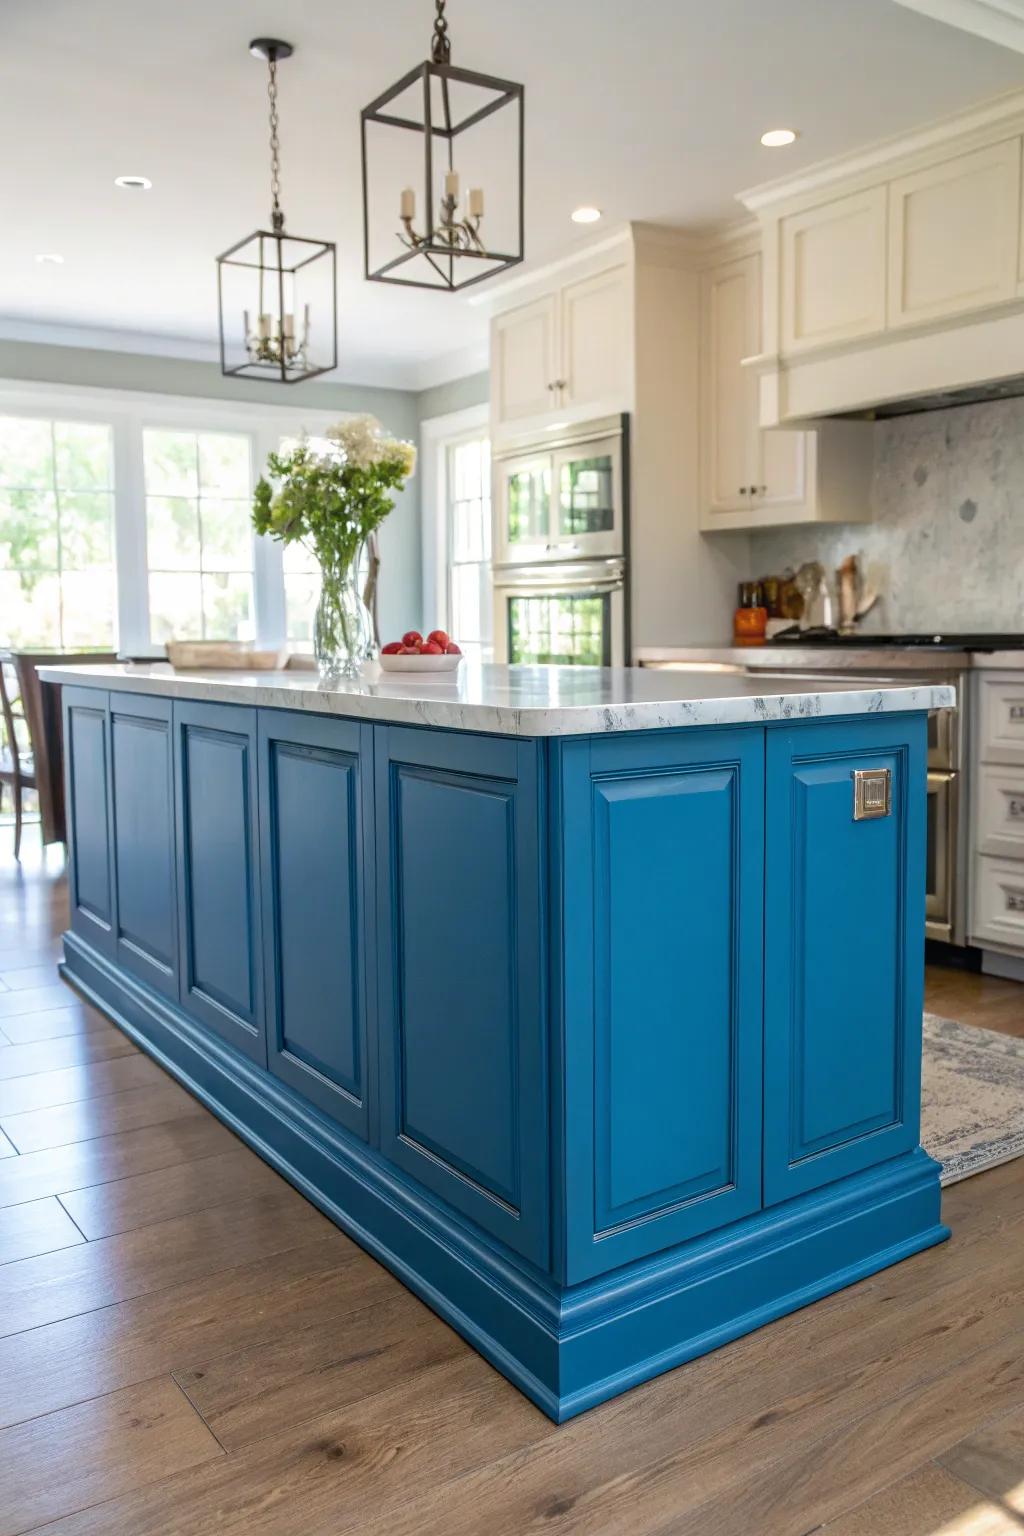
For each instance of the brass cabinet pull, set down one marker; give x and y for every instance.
(872, 793)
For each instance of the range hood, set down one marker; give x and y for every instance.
(942, 400)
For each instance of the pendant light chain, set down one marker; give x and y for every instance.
(441, 48)
(277, 217)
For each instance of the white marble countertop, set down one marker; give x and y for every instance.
(876, 661)
(521, 701)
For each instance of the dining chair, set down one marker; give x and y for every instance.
(17, 762)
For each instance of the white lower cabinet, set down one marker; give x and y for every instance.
(997, 814)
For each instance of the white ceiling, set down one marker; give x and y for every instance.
(652, 110)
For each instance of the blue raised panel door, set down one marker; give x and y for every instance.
(221, 964)
(462, 1023)
(662, 987)
(316, 787)
(87, 770)
(844, 952)
(143, 797)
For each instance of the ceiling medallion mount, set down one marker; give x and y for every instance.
(277, 292)
(432, 127)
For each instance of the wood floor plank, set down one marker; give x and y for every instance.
(37, 1291)
(63, 1124)
(23, 978)
(314, 1284)
(992, 1460)
(299, 1374)
(66, 1085)
(928, 1502)
(36, 999)
(45, 951)
(81, 1455)
(6, 1149)
(68, 1051)
(38, 1227)
(53, 1023)
(105, 1209)
(326, 1475)
(58, 1170)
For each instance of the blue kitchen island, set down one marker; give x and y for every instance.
(587, 1001)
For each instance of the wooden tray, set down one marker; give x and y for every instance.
(223, 656)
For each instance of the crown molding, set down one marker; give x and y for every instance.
(998, 21)
(1002, 116)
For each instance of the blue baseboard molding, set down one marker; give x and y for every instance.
(566, 1349)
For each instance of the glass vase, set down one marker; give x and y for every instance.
(342, 627)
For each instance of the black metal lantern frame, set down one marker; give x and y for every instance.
(279, 264)
(452, 248)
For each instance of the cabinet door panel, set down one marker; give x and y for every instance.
(844, 952)
(314, 816)
(463, 1063)
(661, 856)
(595, 341)
(731, 294)
(834, 271)
(215, 769)
(143, 774)
(87, 769)
(524, 367)
(953, 235)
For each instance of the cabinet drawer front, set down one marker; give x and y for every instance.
(462, 1023)
(1000, 811)
(1002, 719)
(844, 947)
(143, 775)
(87, 772)
(953, 234)
(662, 918)
(314, 816)
(833, 271)
(998, 901)
(221, 970)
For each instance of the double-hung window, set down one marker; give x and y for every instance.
(199, 539)
(57, 587)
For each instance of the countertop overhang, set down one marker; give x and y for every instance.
(520, 700)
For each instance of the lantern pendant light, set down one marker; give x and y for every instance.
(277, 292)
(436, 131)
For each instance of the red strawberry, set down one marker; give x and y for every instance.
(439, 637)
(411, 637)
(429, 648)
(451, 649)
(393, 648)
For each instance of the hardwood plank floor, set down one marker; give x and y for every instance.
(199, 1351)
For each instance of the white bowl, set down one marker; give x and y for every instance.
(444, 663)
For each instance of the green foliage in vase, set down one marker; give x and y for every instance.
(330, 500)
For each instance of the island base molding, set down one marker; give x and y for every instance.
(567, 1349)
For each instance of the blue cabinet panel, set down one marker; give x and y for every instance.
(662, 921)
(215, 769)
(316, 784)
(463, 1038)
(844, 952)
(143, 799)
(87, 769)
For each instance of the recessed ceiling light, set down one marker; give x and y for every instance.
(133, 183)
(776, 138)
(586, 215)
(50, 259)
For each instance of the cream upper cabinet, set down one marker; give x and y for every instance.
(594, 338)
(761, 479)
(524, 360)
(729, 331)
(954, 232)
(833, 271)
(567, 353)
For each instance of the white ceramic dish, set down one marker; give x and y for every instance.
(420, 663)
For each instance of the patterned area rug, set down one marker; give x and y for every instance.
(972, 1097)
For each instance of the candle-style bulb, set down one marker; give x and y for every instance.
(451, 185)
(476, 202)
(408, 204)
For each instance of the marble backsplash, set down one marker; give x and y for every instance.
(946, 549)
